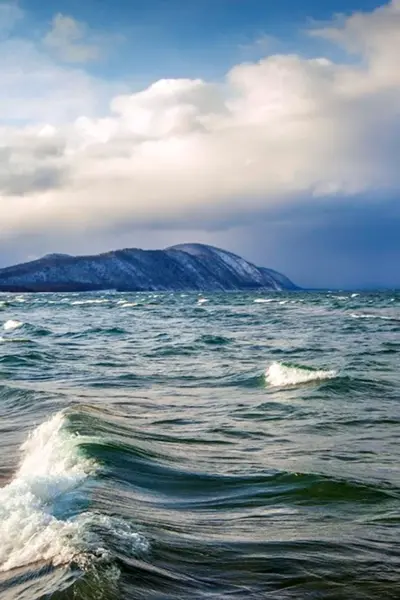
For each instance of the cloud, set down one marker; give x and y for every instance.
(39, 90)
(279, 133)
(10, 14)
(259, 46)
(374, 36)
(68, 39)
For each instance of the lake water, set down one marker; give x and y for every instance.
(185, 446)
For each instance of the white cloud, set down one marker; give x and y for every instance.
(10, 14)
(276, 131)
(70, 40)
(374, 36)
(34, 88)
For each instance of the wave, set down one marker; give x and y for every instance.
(283, 375)
(128, 304)
(263, 300)
(12, 324)
(214, 340)
(94, 301)
(50, 467)
(374, 316)
(39, 508)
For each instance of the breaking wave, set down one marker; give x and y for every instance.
(283, 375)
(12, 324)
(91, 301)
(375, 316)
(39, 508)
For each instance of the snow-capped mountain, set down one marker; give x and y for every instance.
(181, 267)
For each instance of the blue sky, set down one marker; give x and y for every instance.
(179, 38)
(268, 128)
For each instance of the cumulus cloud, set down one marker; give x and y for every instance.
(274, 133)
(374, 36)
(68, 38)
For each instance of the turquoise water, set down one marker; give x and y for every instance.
(172, 446)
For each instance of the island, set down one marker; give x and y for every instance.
(185, 267)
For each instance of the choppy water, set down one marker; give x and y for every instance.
(167, 446)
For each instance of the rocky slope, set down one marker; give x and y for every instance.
(182, 267)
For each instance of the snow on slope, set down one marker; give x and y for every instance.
(186, 266)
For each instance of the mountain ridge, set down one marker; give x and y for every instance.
(189, 266)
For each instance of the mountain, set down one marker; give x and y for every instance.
(181, 267)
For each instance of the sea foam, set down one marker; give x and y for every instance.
(51, 466)
(12, 324)
(92, 301)
(375, 316)
(37, 521)
(281, 375)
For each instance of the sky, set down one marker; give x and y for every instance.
(271, 129)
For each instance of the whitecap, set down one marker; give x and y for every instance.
(96, 301)
(50, 467)
(202, 300)
(374, 316)
(20, 299)
(12, 324)
(263, 300)
(45, 487)
(281, 375)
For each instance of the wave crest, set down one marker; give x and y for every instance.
(282, 375)
(12, 324)
(38, 508)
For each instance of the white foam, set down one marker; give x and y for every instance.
(355, 295)
(281, 375)
(45, 486)
(263, 300)
(129, 304)
(374, 316)
(11, 324)
(51, 466)
(124, 536)
(202, 300)
(96, 301)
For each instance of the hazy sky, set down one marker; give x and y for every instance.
(271, 129)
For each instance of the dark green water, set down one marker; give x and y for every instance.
(156, 447)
